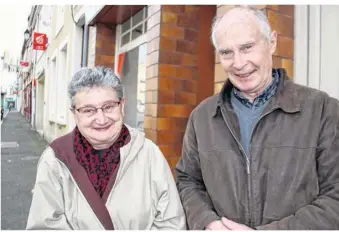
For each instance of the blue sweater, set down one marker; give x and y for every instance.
(247, 118)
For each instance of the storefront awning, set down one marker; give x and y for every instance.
(115, 14)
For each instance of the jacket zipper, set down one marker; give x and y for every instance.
(248, 170)
(248, 162)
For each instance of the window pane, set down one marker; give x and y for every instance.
(125, 39)
(146, 10)
(138, 17)
(137, 32)
(145, 26)
(125, 26)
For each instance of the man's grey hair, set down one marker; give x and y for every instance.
(94, 77)
(260, 17)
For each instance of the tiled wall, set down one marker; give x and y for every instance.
(182, 68)
(105, 46)
(101, 46)
(176, 82)
(281, 18)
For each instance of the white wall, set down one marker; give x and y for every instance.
(91, 11)
(317, 47)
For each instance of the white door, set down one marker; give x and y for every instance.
(317, 47)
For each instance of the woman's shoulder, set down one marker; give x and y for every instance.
(149, 150)
(48, 158)
(62, 140)
(53, 152)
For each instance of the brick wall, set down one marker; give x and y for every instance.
(281, 18)
(179, 72)
(105, 46)
(101, 46)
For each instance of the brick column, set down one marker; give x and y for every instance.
(179, 72)
(281, 18)
(101, 46)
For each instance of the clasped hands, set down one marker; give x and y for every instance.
(226, 224)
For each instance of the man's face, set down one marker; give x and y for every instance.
(100, 129)
(245, 55)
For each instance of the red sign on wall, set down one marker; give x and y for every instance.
(39, 41)
(24, 63)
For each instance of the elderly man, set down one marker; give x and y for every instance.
(264, 153)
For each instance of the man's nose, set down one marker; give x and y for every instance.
(238, 61)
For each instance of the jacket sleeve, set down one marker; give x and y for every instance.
(170, 214)
(323, 213)
(47, 207)
(196, 201)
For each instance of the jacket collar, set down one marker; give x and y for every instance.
(285, 98)
(263, 97)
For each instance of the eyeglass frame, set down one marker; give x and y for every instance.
(96, 108)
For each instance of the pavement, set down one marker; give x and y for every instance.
(21, 148)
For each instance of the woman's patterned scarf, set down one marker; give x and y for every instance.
(99, 164)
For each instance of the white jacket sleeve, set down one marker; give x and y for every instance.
(170, 213)
(47, 208)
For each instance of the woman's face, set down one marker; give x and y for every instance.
(101, 127)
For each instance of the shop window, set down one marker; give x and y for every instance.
(133, 27)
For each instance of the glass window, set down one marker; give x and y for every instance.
(125, 39)
(145, 26)
(145, 9)
(126, 26)
(137, 32)
(134, 27)
(137, 18)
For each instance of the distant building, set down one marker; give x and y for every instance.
(8, 77)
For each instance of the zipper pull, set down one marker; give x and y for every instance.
(248, 169)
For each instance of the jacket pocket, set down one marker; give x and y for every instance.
(292, 181)
(225, 178)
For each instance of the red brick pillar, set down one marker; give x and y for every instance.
(281, 18)
(180, 71)
(101, 48)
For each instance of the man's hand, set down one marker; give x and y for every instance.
(233, 225)
(216, 225)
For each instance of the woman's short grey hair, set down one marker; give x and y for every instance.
(260, 16)
(94, 77)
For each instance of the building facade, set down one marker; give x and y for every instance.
(166, 61)
(9, 83)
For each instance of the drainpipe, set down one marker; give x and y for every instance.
(34, 88)
(81, 22)
(84, 58)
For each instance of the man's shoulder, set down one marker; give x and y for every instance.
(206, 107)
(311, 95)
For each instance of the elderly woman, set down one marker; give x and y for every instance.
(104, 174)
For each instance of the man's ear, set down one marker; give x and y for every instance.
(273, 42)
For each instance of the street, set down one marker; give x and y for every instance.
(21, 148)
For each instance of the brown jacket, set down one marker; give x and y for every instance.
(290, 180)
